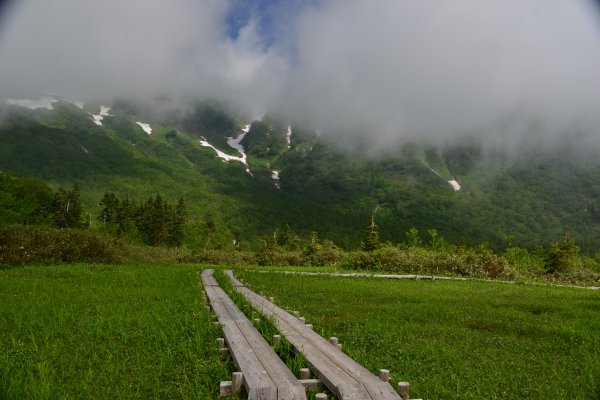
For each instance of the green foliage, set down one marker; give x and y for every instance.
(323, 188)
(23, 200)
(313, 244)
(160, 222)
(268, 249)
(413, 239)
(526, 263)
(133, 331)
(562, 256)
(289, 240)
(436, 241)
(371, 242)
(111, 209)
(475, 262)
(265, 139)
(211, 121)
(21, 245)
(66, 208)
(156, 220)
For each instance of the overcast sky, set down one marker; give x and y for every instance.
(438, 69)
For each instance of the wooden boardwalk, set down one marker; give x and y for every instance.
(343, 376)
(265, 376)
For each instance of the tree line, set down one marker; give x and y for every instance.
(156, 221)
(30, 201)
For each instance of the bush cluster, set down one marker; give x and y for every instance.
(480, 263)
(21, 245)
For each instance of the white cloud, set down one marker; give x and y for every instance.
(437, 69)
(119, 48)
(387, 69)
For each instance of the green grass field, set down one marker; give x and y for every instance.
(106, 332)
(141, 331)
(456, 340)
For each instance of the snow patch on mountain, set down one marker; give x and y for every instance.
(99, 117)
(85, 150)
(234, 143)
(146, 127)
(40, 102)
(289, 137)
(454, 183)
(275, 177)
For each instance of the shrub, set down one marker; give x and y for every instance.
(21, 245)
(562, 256)
(478, 262)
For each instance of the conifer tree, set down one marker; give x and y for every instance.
(66, 208)
(371, 242)
(176, 223)
(563, 255)
(110, 209)
(314, 246)
(289, 240)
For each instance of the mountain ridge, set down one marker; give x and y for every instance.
(300, 179)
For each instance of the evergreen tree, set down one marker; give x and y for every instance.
(110, 209)
(176, 223)
(127, 216)
(158, 222)
(66, 208)
(289, 240)
(563, 255)
(371, 242)
(314, 246)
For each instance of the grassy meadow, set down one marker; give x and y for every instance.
(106, 332)
(138, 331)
(456, 340)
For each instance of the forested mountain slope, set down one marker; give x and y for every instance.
(292, 176)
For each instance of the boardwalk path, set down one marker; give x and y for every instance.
(343, 376)
(265, 376)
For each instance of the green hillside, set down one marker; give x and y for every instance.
(320, 187)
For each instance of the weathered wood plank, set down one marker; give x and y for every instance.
(340, 373)
(344, 386)
(265, 376)
(257, 382)
(208, 279)
(288, 386)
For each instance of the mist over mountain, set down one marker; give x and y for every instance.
(243, 179)
(370, 74)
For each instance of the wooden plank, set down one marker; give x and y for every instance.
(265, 376)
(257, 381)
(288, 386)
(344, 386)
(208, 279)
(340, 373)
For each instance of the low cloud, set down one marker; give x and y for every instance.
(381, 71)
(134, 48)
(441, 70)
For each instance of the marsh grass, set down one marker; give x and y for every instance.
(98, 331)
(454, 340)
